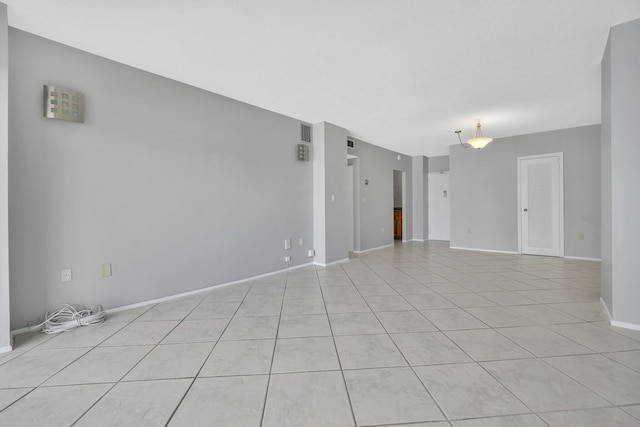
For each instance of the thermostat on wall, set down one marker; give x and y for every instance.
(63, 104)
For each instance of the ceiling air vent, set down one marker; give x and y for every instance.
(349, 143)
(305, 133)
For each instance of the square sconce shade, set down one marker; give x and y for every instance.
(63, 104)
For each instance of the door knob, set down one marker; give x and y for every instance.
(526, 210)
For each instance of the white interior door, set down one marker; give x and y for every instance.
(541, 205)
(438, 206)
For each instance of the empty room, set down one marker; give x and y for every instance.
(319, 213)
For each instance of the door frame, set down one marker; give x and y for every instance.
(560, 157)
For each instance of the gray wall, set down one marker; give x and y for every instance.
(330, 193)
(5, 330)
(439, 164)
(484, 191)
(376, 199)
(607, 227)
(420, 174)
(178, 188)
(624, 110)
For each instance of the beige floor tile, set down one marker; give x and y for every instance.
(101, 365)
(214, 310)
(139, 403)
(36, 366)
(172, 310)
(543, 342)
(633, 410)
(429, 301)
(251, 328)
(239, 358)
(306, 399)
(303, 306)
(529, 420)
(452, 319)
(260, 308)
(469, 299)
(311, 325)
(389, 396)
(355, 324)
(466, 390)
(429, 348)
(368, 351)
(610, 417)
(388, 303)
(631, 359)
(171, 361)
(616, 383)
(196, 331)
(348, 305)
(542, 387)
(10, 395)
(499, 317)
(229, 402)
(141, 333)
(487, 344)
(596, 338)
(543, 314)
(405, 321)
(46, 406)
(305, 354)
(376, 290)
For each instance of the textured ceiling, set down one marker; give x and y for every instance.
(402, 74)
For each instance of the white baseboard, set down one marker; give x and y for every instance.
(625, 325)
(617, 324)
(606, 309)
(583, 258)
(340, 261)
(417, 240)
(6, 349)
(374, 249)
(483, 250)
(180, 295)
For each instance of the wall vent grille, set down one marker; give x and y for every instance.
(305, 133)
(349, 143)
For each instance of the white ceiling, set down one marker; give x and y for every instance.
(402, 74)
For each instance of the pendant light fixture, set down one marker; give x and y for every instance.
(478, 141)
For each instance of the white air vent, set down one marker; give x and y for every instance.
(305, 133)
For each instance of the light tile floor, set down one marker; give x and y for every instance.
(417, 334)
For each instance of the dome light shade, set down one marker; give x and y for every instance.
(479, 142)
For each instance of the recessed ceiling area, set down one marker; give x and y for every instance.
(399, 74)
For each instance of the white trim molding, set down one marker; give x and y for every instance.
(606, 309)
(374, 249)
(180, 295)
(340, 261)
(6, 349)
(483, 250)
(625, 325)
(579, 258)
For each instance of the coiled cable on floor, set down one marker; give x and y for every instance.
(69, 316)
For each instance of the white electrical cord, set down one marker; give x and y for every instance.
(70, 316)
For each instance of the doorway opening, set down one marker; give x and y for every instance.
(399, 205)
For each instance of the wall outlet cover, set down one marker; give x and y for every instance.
(65, 275)
(105, 270)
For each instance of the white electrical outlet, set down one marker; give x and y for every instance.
(301, 241)
(287, 244)
(312, 252)
(105, 270)
(287, 259)
(65, 275)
